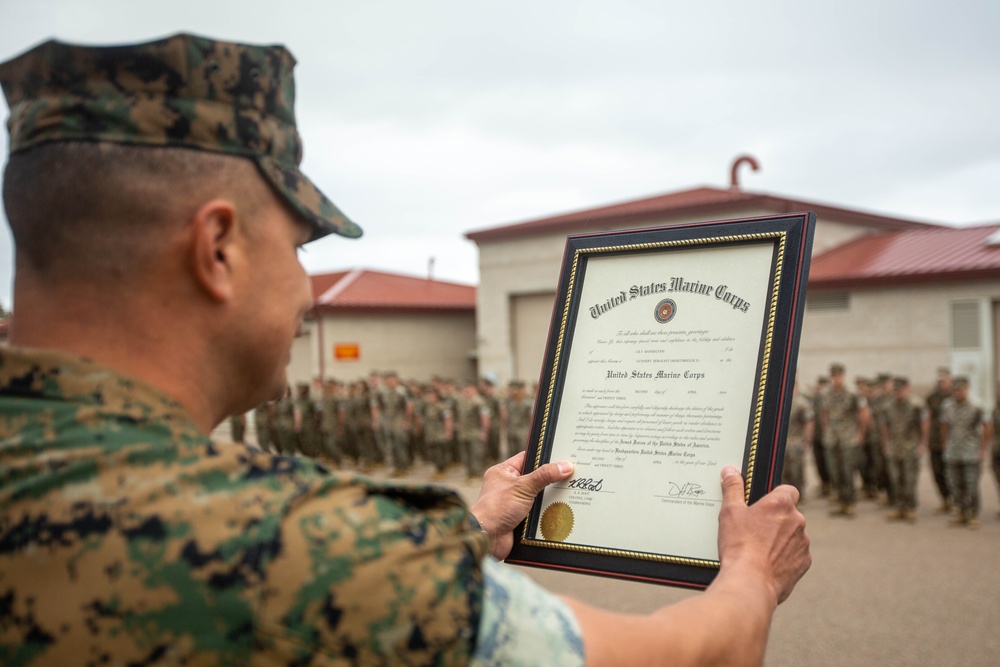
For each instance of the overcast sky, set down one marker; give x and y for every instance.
(423, 120)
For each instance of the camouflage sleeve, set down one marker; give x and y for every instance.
(523, 624)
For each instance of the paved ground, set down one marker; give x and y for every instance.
(878, 593)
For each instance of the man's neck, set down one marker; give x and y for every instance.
(132, 341)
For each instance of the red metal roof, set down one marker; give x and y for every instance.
(941, 253)
(696, 201)
(366, 289)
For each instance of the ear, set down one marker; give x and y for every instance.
(213, 248)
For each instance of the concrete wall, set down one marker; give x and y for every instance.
(901, 330)
(416, 346)
(530, 265)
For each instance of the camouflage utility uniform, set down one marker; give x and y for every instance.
(842, 440)
(903, 423)
(519, 409)
(793, 471)
(128, 537)
(935, 445)
(965, 422)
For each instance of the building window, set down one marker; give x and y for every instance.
(828, 300)
(965, 329)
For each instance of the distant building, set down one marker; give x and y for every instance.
(364, 321)
(908, 302)
(519, 266)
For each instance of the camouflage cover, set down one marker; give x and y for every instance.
(183, 91)
(128, 537)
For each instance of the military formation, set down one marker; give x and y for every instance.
(869, 441)
(382, 421)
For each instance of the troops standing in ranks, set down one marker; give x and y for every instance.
(882, 397)
(394, 414)
(818, 447)
(904, 434)
(331, 421)
(263, 417)
(935, 445)
(996, 442)
(284, 423)
(438, 425)
(845, 418)
(472, 421)
(238, 427)
(965, 431)
(359, 423)
(306, 422)
(517, 413)
(487, 391)
(800, 433)
(418, 442)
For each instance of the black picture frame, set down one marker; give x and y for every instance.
(791, 237)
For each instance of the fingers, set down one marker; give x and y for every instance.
(732, 486)
(547, 474)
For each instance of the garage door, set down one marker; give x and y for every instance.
(529, 317)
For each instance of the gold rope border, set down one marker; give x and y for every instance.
(557, 358)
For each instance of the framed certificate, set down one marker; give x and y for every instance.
(671, 354)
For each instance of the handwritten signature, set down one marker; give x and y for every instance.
(586, 484)
(686, 490)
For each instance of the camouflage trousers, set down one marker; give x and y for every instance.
(793, 468)
(330, 447)
(940, 471)
(842, 461)
(439, 452)
(517, 440)
(996, 467)
(903, 472)
(963, 480)
(396, 448)
(472, 451)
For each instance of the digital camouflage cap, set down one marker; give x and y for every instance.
(183, 91)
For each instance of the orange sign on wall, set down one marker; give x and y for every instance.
(346, 351)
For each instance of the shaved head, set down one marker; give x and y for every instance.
(102, 210)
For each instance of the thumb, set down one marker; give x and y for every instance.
(732, 486)
(547, 474)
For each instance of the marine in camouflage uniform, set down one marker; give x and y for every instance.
(845, 419)
(238, 427)
(517, 411)
(996, 442)
(438, 424)
(395, 416)
(359, 423)
(331, 422)
(800, 427)
(819, 451)
(472, 421)
(935, 445)
(126, 535)
(307, 423)
(965, 432)
(262, 417)
(487, 390)
(904, 432)
(283, 429)
(878, 474)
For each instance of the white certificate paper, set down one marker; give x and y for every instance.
(659, 394)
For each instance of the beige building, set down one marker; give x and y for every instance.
(365, 321)
(886, 294)
(519, 263)
(908, 303)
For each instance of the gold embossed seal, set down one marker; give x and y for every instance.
(557, 522)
